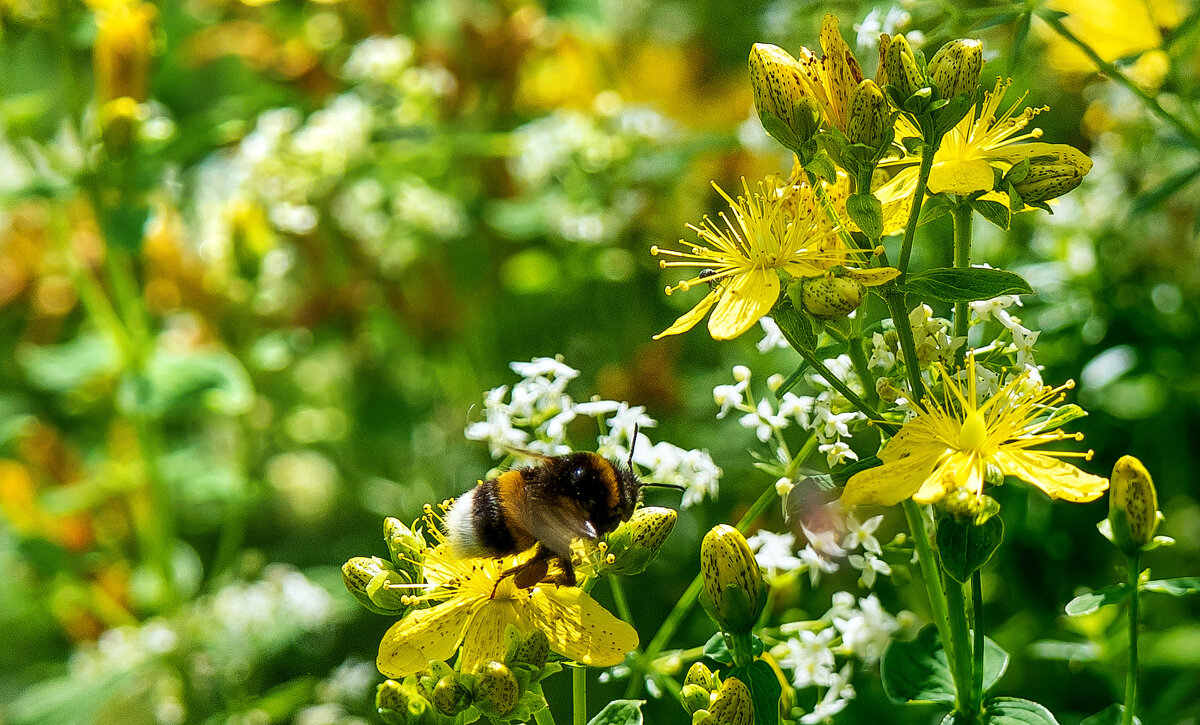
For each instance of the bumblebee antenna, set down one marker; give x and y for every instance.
(676, 486)
(632, 445)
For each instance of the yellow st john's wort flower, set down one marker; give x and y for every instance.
(766, 232)
(983, 139)
(952, 442)
(471, 606)
(830, 80)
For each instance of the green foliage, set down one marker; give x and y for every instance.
(918, 671)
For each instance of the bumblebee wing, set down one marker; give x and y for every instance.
(555, 521)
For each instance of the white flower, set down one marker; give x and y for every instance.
(868, 630)
(824, 542)
(831, 426)
(1024, 340)
(379, 59)
(837, 452)
(869, 565)
(839, 694)
(883, 355)
(730, 397)
(764, 420)
(796, 407)
(810, 658)
(862, 534)
(773, 338)
(816, 564)
(541, 367)
(694, 470)
(597, 408)
(774, 552)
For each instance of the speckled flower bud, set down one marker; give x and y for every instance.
(902, 69)
(636, 542)
(693, 698)
(405, 547)
(733, 588)
(533, 650)
(450, 697)
(399, 703)
(955, 68)
(733, 705)
(1053, 174)
(775, 80)
(699, 674)
(1132, 497)
(869, 114)
(368, 579)
(496, 689)
(830, 297)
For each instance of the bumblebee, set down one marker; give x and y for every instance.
(578, 495)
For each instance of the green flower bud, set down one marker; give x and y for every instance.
(955, 68)
(830, 296)
(733, 705)
(869, 115)
(450, 697)
(775, 79)
(533, 650)
(368, 579)
(733, 588)
(699, 674)
(399, 703)
(1132, 505)
(636, 542)
(1053, 174)
(902, 69)
(405, 547)
(496, 689)
(693, 698)
(887, 390)
(703, 717)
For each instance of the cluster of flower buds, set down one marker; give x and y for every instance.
(381, 585)
(635, 543)
(499, 691)
(954, 70)
(713, 701)
(734, 594)
(1133, 515)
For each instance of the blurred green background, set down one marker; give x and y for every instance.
(247, 316)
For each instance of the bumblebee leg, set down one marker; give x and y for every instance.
(566, 577)
(531, 572)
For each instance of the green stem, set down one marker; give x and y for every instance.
(1131, 678)
(961, 660)
(1113, 73)
(910, 230)
(544, 717)
(622, 603)
(837, 383)
(963, 216)
(931, 574)
(979, 648)
(898, 309)
(579, 695)
(831, 211)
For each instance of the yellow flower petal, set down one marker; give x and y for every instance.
(917, 437)
(689, 319)
(483, 639)
(1057, 478)
(744, 299)
(892, 482)
(961, 176)
(578, 628)
(842, 72)
(958, 470)
(424, 635)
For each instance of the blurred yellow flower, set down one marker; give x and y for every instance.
(831, 79)
(474, 604)
(122, 51)
(1112, 28)
(951, 443)
(771, 230)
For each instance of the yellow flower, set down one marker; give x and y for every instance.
(471, 606)
(771, 230)
(981, 140)
(1112, 28)
(951, 443)
(831, 79)
(123, 47)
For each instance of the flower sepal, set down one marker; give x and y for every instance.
(635, 543)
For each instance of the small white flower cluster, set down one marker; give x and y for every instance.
(827, 414)
(535, 413)
(852, 629)
(776, 553)
(1023, 338)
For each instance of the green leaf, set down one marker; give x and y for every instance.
(822, 166)
(1175, 587)
(1091, 601)
(994, 212)
(952, 113)
(917, 671)
(779, 130)
(1015, 711)
(764, 689)
(965, 547)
(186, 382)
(965, 285)
(1111, 715)
(996, 20)
(934, 207)
(620, 712)
(1018, 172)
(1020, 35)
(867, 213)
(717, 650)
(1164, 190)
(796, 328)
(1057, 649)
(86, 360)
